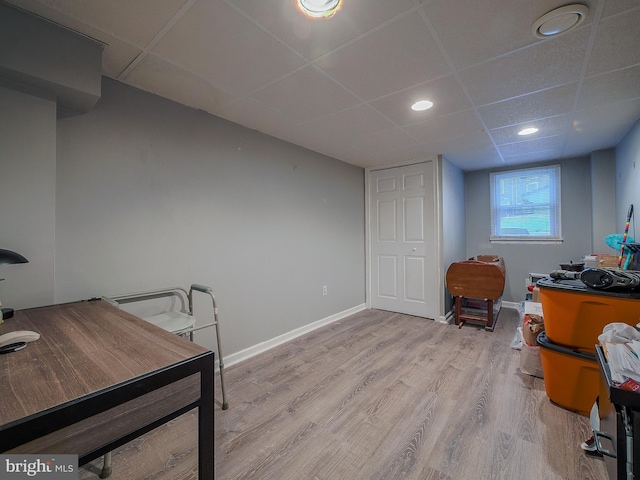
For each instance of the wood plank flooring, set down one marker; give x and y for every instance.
(382, 396)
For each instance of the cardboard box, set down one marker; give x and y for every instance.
(533, 323)
(608, 261)
(611, 261)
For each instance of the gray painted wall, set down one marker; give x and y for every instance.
(154, 194)
(27, 197)
(522, 258)
(453, 224)
(603, 197)
(628, 180)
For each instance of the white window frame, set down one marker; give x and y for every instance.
(554, 204)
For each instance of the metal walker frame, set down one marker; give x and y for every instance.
(189, 326)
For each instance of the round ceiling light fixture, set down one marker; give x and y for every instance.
(528, 131)
(560, 20)
(422, 105)
(319, 8)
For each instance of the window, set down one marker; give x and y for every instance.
(525, 204)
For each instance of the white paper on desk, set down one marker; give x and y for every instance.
(635, 346)
(623, 362)
(615, 362)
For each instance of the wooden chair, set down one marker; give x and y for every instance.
(476, 280)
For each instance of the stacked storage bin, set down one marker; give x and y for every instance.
(574, 316)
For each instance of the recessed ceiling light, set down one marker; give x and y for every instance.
(559, 21)
(528, 131)
(319, 8)
(422, 105)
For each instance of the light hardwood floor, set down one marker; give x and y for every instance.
(381, 396)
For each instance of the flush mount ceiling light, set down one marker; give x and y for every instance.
(528, 131)
(422, 105)
(319, 8)
(559, 21)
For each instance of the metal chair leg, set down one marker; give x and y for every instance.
(106, 466)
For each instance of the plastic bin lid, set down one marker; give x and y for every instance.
(576, 286)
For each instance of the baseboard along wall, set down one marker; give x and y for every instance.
(286, 337)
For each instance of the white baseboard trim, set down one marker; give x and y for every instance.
(247, 353)
(515, 305)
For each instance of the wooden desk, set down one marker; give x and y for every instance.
(98, 378)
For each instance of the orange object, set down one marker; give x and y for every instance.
(571, 378)
(575, 315)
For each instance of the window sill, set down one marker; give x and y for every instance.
(526, 240)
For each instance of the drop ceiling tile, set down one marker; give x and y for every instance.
(617, 43)
(397, 56)
(610, 88)
(216, 42)
(415, 154)
(475, 159)
(532, 146)
(612, 8)
(306, 94)
(531, 157)
(548, 103)
(586, 141)
(254, 115)
(154, 74)
(466, 142)
(546, 127)
(344, 126)
(473, 31)
(386, 143)
(542, 65)
(623, 114)
(444, 92)
(123, 19)
(447, 127)
(361, 159)
(313, 38)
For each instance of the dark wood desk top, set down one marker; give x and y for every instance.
(84, 347)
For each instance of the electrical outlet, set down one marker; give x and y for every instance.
(324, 290)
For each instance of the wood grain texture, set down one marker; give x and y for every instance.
(169, 452)
(387, 396)
(77, 355)
(381, 396)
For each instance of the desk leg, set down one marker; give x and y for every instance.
(205, 422)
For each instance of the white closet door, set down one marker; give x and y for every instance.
(403, 240)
